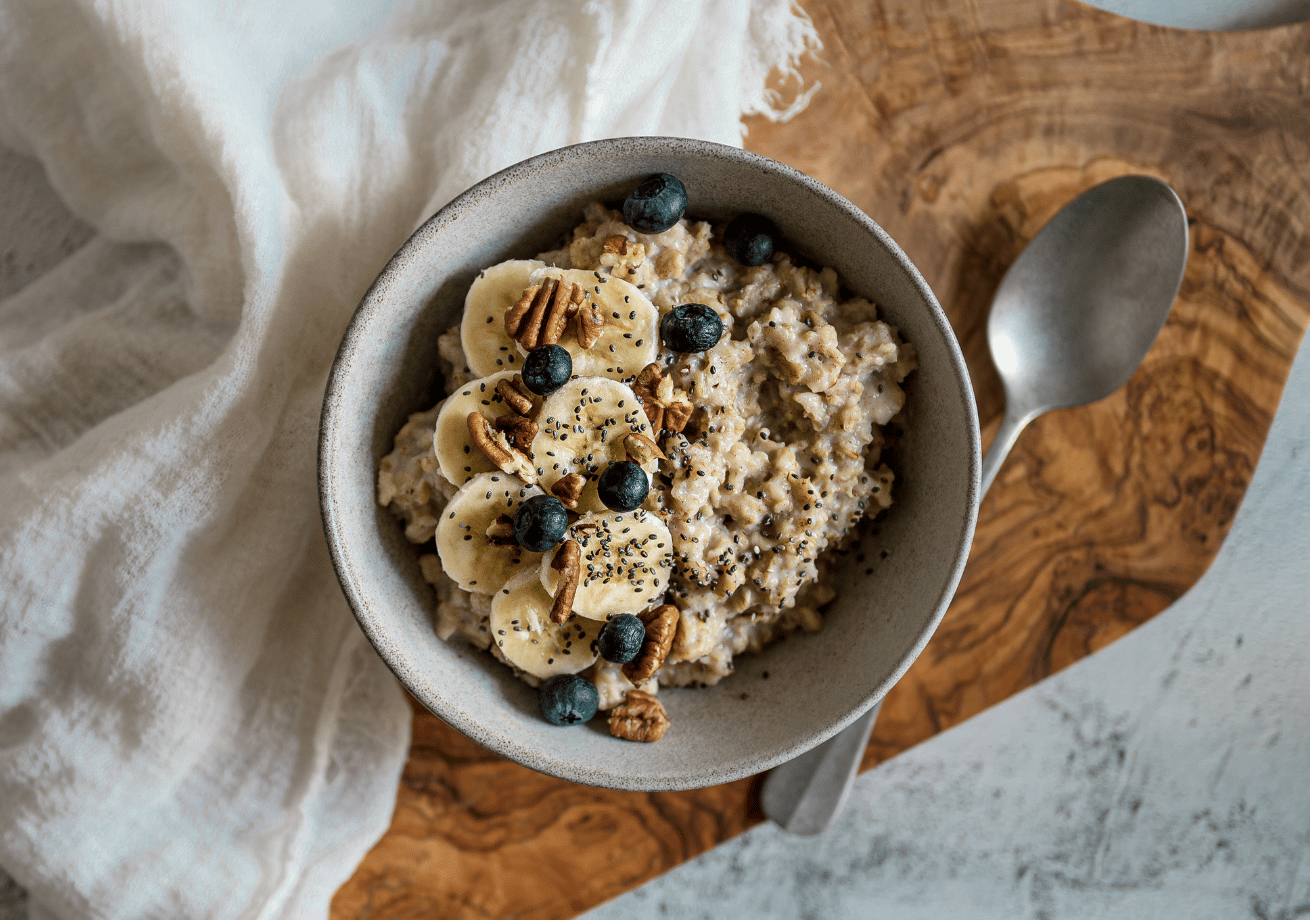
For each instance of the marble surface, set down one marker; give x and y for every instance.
(1164, 776)
(1210, 14)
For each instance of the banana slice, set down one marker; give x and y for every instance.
(521, 628)
(628, 341)
(457, 456)
(626, 560)
(584, 426)
(487, 345)
(475, 560)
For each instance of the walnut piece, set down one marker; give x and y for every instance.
(676, 416)
(568, 562)
(640, 717)
(667, 408)
(498, 450)
(649, 377)
(518, 430)
(569, 489)
(661, 627)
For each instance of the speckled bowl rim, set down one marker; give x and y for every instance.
(354, 343)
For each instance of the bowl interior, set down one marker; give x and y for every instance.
(892, 589)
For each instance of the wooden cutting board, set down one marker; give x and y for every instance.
(961, 126)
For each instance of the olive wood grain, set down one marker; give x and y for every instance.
(962, 127)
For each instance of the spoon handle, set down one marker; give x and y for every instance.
(805, 794)
(1006, 435)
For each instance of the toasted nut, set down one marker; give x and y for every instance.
(661, 627)
(667, 408)
(569, 489)
(514, 315)
(640, 717)
(568, 298)
(501, 532)
(589, 323)
(524, 320)
(641, 448)
(656, 415)
(498, 449)
(515, 397)
(568, 562)
(519, 430)
(484, 437)
(617, 245)
(650, 376)
(664, 391)
(530, 333)
(697, 425)
(676, 416)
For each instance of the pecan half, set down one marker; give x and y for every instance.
(516, 397)
(519, 430)
(661, 627)
(501, 532)
(568, 298)
(568, 562)
(543, 312)
(569, 489)
(524, 320)
(640, 717)
(641, 449)
(515, 315)
(498, 449)
(590, 321)
(617, 245)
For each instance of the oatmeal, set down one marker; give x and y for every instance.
(702, 492)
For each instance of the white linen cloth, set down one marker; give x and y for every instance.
(191, 724)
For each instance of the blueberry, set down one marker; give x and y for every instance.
(546, 369)
(620, 638)
(656, 205)
(540, 522)
(749, 239)
(692, 327)
(623, 486)
(567, 699)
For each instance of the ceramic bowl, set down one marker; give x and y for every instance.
(886, 609)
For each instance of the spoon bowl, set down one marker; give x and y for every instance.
(1079, 309)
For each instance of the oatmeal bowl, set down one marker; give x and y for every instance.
(649, 463)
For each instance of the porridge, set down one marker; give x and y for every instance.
(657, 437)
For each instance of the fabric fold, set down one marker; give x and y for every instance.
(191, 723)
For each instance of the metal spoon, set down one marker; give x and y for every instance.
(1072, 319)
